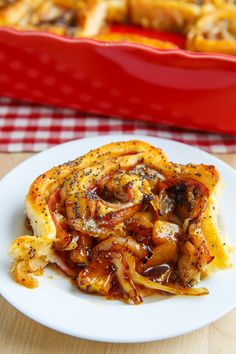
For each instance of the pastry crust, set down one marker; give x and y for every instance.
(72, 186)
(215, 32)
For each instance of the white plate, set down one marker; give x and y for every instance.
(58, 305)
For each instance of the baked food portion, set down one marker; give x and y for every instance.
(12, 12)
(215, 32)
(71, 18)
(123, 221)
(226, 4)
(208, 24)
(171, 15)
(90, 15)
(117, 10)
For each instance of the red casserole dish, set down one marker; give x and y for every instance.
(175, 87)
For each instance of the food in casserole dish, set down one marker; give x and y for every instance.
(226, 4)
(214, 33)
(91, 18)
(70, 18)
(124, 222)
(174, 15)
(73, 18)
(79, 18)
(117, 10)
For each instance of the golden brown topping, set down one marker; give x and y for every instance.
(4, 3)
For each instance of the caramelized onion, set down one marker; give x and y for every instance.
(165, 253)
(171, 289)
(124, 276)
(121, 244)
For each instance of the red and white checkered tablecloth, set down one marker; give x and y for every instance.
(30, 127)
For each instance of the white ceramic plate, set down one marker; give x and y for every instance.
(58, 305)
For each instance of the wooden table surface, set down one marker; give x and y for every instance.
(20, 335)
